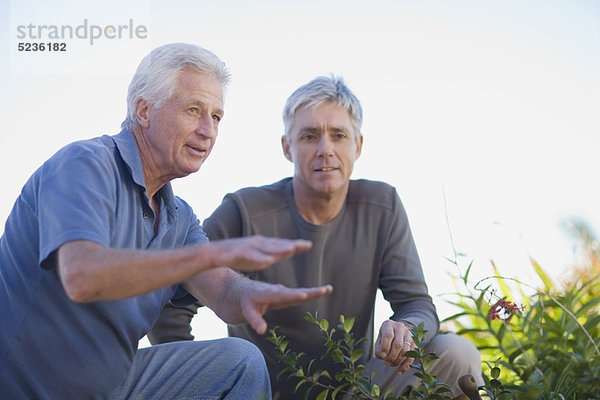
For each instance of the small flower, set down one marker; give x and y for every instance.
(504, 310)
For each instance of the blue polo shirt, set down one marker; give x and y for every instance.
(51, 347)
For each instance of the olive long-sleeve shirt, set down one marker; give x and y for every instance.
(367, 246)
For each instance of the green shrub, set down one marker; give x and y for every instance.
(548, 347)
(544, 349)
(341, 347)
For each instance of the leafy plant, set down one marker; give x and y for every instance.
(494, 387)
(341, 347)
(548, 347)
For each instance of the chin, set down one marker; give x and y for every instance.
(329, 190)
(190, 170)
(195, 166)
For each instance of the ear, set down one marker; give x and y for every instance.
(359, 143)
(286, 148)
(142, 113)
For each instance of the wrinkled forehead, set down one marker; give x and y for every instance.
(199, 85)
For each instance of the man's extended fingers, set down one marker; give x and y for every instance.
(287, 297)
(319, 291)
(404, 365)
(384, 341)
(283, 246)
(275, 250)
(254, 318)
(257, 252)
(278, 296)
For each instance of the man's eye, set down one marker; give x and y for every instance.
(193, 110)
(217, 118)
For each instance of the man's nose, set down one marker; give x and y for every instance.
(325, 147)
(206, 127)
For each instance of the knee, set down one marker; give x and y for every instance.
(457, 357)
(244, 354)
(243, 349)
(455, 349)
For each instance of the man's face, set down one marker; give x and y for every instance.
(323, 147)
(181, 132)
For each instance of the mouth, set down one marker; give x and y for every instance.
(201, 151)
(325, 169)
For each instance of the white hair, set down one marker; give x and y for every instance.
(154, 79)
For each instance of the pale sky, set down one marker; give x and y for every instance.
(492, 104)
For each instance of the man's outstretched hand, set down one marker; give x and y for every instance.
(256, 252)
(257, 297)
(237, 299)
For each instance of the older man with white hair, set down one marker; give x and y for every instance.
(97, 244)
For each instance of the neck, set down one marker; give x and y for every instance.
(320, 209)
(152, 179)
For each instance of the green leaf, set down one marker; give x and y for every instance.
(587, 305)
(309, 317)
(495, 372)
(283, 346)
(457, 315)
(356, 355)
(337, 356)
(503, 286)
(592, 322)
(324, 325)
(323, 395)
(335, 392)
(302, 382)
(364, 386)
(413, 354)
(348, 324)
(342, 375)
(466, 276)
(307, 393)
(309, 367)
(375, 391)
(542, 274)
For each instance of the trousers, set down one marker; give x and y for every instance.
(228, 368)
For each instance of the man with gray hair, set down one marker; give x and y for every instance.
(97, 244)
(362, 242)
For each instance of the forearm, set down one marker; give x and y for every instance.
(90, 272)
(416, 312)
(219, 289)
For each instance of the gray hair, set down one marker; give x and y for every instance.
(319, 91)
(154, 79)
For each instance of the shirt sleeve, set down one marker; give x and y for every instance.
(76, 200)
(402, 281)
(195, 231)
(226, 221)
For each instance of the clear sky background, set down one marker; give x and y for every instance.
(483, 112)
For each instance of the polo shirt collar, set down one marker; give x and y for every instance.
(130, 154)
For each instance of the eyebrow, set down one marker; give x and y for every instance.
(312, 129)
(201, 103)
(308, 129)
